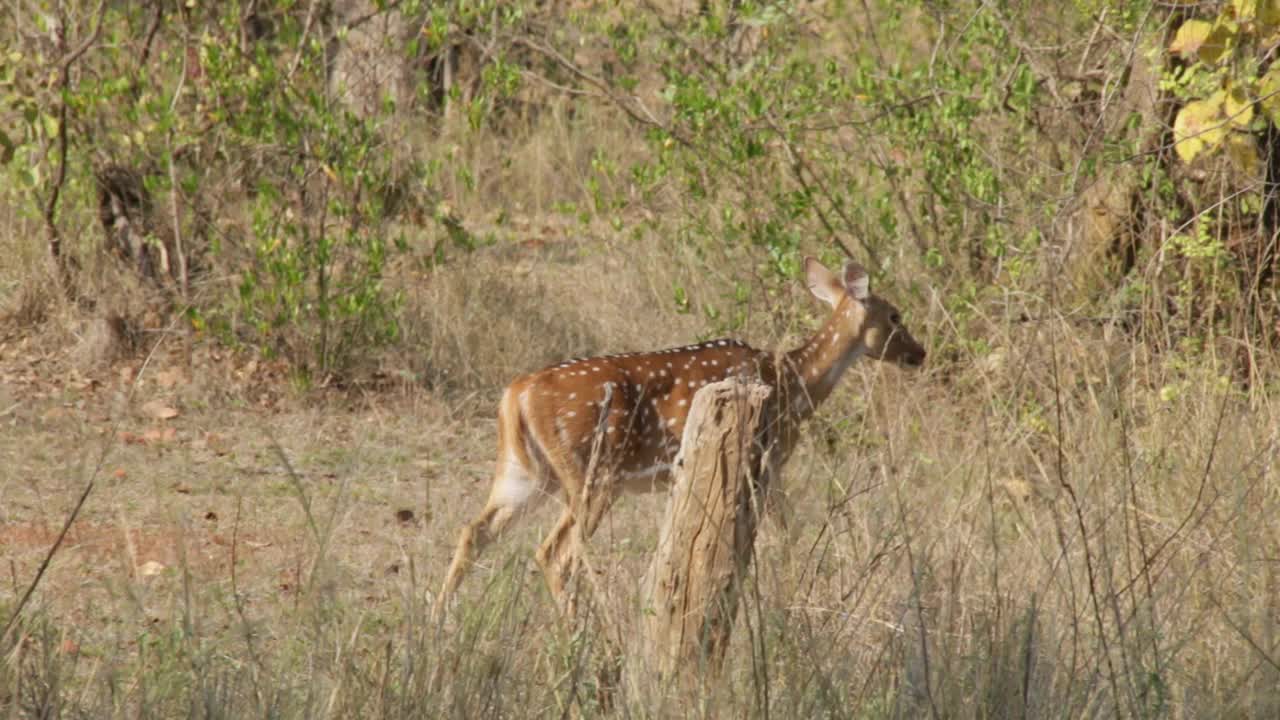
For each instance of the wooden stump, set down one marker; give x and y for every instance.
(689, 595)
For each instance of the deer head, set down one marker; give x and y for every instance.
(871, 320)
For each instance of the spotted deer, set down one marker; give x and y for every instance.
(621, 417)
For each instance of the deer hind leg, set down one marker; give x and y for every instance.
(560, 555)
(589, 492)
(557, 556)
(515, 492)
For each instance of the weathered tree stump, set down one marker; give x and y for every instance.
(689, 595)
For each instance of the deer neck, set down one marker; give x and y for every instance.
(814, 368)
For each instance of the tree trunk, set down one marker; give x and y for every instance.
(690, 594)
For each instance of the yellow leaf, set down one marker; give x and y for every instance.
(1268, 15)
(1237, 106)
(1218, 42)
(1199, 127)
(1190, 37)
(1207, 41)
(1243, 151)
(1269, 94)
(1245, 9)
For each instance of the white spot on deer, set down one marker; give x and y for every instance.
(715, 362)
(571, 413)
(671, 422)
(835, 337)
(609, 429)
(573, 395)
(682, 402)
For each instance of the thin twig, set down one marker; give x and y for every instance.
(64, 85)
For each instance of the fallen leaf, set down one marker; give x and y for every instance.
(159, 435)
(158, 410)
(150, 568)
(168, 378)
(119, 474)
(217, 444)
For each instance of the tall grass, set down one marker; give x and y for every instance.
(1073, 528)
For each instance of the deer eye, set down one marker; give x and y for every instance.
(895, 319)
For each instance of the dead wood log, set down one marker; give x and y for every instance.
(690, 594)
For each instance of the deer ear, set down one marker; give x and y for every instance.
(822, 282)
(856, 282)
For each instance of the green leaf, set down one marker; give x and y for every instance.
(6, 148)
(1199, 127)
(50, 124)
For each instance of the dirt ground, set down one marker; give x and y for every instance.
(210, 475)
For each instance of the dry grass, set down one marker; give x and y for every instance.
(1059, 524)
(1066, 526)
